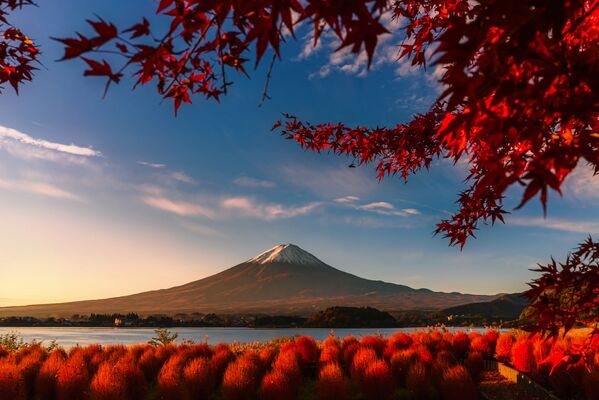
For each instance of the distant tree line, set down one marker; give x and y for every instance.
(334, 317)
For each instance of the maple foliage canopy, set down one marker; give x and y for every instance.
(521, 80)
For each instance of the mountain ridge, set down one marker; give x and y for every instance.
(284, 280)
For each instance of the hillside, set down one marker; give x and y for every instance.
(506, 307)
(282, 280)
(351, 317)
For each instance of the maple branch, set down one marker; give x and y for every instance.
(266, 82)
(220, 56)
(186, 58)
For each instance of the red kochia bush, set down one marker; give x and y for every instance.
(331, 341)
(220, 360)
(30, 364)
(288, 362)
(307, 350)
(123, 380)
(332, 384)
(199, 378)
(362, 359)
(331, 351)
(480, 345)
(348, 353)
(45, 382)
(169, 384)
(12, 383)
(95, 355)
(423, 353)
(276, 385)
(199, 350)
(150, 363)
(397, 342)
(522, 355)
(474, 364)
(348, 340)
(376, 343)
(401, 363)
(72, 378)
(377, 382)
(492, 336)
(137, 350)
(330, 354)
(241, 378)
(503, 348)
(418, 380)
(460, 345)
(445, 357)
(267, 355)
(457, 384)
(423, 340)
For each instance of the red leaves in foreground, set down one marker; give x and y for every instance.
(520, 81)
(567, 294)
(18, 53)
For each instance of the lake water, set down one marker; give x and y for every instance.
(68, 337)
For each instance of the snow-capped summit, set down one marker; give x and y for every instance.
(285, 253)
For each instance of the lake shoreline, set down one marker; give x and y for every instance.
(73, 336)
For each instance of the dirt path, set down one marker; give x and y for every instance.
(495, 387)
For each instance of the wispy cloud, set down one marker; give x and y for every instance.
(180, 176)
(268, 211)
(38, 188)
(151, 165)
(377, 207)
(347, 199)
(557, 224)
(330, 181)
(181, 208)
(583, 183)
(25, 146)
(248, 182)
(200, 229)
(385, 208)
(218, 208)
(168, 177)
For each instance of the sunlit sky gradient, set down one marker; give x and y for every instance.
(109, 197)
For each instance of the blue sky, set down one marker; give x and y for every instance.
(102, 197)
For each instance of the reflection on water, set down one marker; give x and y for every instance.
(83, 336)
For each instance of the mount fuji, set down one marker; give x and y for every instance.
(282, 280)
